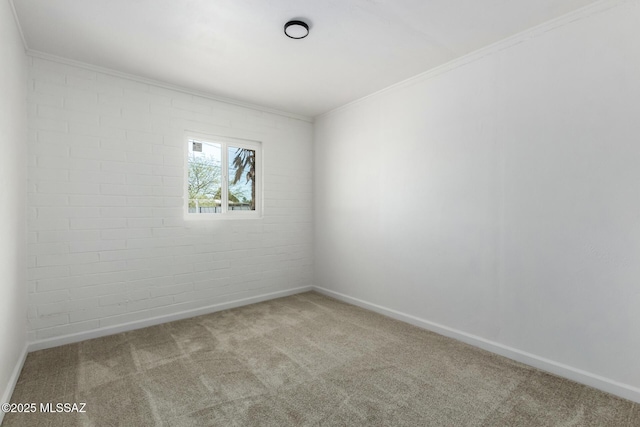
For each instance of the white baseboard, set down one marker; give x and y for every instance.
(13, 380)
(605, 384)
(130, 326)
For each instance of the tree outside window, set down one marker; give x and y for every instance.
(206, 172)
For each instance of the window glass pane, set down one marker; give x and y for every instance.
(242, 179)
(205, 177)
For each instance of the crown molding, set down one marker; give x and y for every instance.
(576, 15)
(103, 70)
(15, 17)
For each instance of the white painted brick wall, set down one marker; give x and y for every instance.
(107, 240)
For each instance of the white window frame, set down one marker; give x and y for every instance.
(225, 142)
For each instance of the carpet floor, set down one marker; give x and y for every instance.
(304, 360)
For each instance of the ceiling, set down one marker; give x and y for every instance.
(237, 49)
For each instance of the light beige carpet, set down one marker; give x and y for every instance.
(304, 360)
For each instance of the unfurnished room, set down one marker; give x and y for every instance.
(320, 213)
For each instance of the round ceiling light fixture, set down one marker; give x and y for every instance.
(296, 29)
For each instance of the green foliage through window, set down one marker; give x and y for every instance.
(206, 177)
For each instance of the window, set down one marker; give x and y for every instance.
(223, 177)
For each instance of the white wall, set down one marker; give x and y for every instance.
(501, 198)
(13, 167)
(108, 244)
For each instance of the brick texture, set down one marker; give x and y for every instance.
(108, 242)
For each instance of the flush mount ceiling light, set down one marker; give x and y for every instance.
(296, 29)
